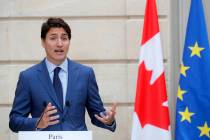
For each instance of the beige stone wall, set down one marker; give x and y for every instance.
(105, 35)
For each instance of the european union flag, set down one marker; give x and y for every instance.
(193, 97)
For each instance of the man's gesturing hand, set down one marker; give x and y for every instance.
(48, 117)
(108, 116)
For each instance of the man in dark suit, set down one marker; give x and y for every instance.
(57, 91)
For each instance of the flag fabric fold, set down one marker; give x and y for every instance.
(193, 97)
(151, 114)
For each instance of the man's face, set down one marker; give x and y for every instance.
(56, 45)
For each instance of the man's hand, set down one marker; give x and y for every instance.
(48, 117)
(109, 116)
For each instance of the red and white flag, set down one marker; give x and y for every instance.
(151, 114)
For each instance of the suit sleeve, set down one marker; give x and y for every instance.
(18, 118)
(94, 102)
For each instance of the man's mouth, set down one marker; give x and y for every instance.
(59, 51)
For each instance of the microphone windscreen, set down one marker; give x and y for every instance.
(44, 103)
(67, 103)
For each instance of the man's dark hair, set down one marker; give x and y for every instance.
(54, 23)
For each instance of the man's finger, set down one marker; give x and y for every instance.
(53, 122)
(49, 107)
(110, 113)
(100, 118)
(54, 118)
(51, 112)
(114, 106)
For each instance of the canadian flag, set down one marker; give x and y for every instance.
(151, 114)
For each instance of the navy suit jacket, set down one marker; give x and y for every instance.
(35, 89)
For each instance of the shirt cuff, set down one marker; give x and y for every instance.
(112, 125)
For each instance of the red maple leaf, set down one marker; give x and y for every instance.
(150, 98)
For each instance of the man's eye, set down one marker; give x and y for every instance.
(52, 38)
(64, 38)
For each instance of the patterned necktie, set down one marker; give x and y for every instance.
(58, 85)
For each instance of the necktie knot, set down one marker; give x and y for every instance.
(56, 71)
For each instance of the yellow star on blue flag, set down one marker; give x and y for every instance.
(204, 130)
(193, 98)
(196, 50)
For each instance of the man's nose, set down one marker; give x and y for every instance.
(59, 42)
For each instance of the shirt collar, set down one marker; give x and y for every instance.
(51, 66)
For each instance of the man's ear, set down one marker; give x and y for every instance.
(43, 43)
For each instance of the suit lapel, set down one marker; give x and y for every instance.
(72, 77)
(44, 77)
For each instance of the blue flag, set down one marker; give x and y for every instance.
(193, 96)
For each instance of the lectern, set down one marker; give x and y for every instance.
(55, 135)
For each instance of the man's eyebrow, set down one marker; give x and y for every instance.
(53, 34)
(65, 34)
(57, 34)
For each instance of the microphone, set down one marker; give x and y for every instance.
(44, 104)
(67, 103)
